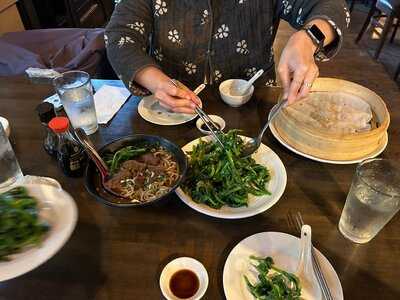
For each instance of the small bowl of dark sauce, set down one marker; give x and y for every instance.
(218, 121)
(184, 278)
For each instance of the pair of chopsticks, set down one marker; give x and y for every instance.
(206, 119)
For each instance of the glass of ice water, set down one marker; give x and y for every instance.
(10, 172)
(373, 199)
(76, 94)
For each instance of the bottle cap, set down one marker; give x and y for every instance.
(59, 124)
(46, 112)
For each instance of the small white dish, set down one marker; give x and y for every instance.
(231, 84)
(6, 125)
(216, 119)
(184, 263)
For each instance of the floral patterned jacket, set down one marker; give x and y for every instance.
(209, 41)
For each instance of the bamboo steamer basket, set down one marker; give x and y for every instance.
(330, 146)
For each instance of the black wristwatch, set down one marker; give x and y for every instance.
(318, 38)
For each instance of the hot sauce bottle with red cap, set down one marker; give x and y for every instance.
(70, 154)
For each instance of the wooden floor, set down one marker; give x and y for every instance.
(390, 55)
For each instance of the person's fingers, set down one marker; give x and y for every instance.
(195, 98)
(175, 103)
(181, 92)
(296, 83)
(309, 79)
(184, 110)
(177, 92)
(284, 74)
(177, 109)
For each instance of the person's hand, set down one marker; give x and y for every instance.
(297, 68)
(177, 99)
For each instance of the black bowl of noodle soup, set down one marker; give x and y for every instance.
(144, 169)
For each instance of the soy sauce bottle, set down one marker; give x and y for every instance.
(70, 154)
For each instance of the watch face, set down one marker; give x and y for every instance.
(317, 33)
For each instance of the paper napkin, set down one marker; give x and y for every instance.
(108, 100)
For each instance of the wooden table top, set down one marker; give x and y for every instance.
(119, 253)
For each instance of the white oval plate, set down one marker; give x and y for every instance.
(150, 109)
(264, 156)
(283, 248)
(59, 209)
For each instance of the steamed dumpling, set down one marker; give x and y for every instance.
(338, 112)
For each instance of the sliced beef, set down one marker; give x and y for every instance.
(156, 169)
(140, 179)
(114, 183)
(149, 158)
(133, 166)
(136, 168)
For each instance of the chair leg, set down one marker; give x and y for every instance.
(395, 30)
(385, 32)
(397, 72)
(352, 5)
(366, 23)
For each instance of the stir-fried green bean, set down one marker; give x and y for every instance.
(273, 283)
(19, 222)
(115, 160)
(218, 177)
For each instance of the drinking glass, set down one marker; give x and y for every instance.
(373, 199)
(10, 172)
(76, 93)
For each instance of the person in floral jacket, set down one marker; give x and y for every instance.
(151, 41)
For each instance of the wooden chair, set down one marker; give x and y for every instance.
(85, 13)
(353, 2)
(391, 9)
(396, 75)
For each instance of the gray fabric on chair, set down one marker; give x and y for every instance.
(14, 59)
(59, 49)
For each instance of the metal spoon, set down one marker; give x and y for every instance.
(254, 143)
(96, 158)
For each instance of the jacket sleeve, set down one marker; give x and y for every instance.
(127, 39)
(300, 12)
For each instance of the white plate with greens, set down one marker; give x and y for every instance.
(56, 208)
(150, 109)
(256, 204)
(284, 250)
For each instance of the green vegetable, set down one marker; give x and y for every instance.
(115, 160)
(273, 283)
(218, 177)
(19, 222)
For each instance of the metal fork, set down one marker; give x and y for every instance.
(254, 143)
(206, 119)
(295, 220)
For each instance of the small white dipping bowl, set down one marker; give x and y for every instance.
(216, 119)
(184, 263)
(234, 101)
(6, 125)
